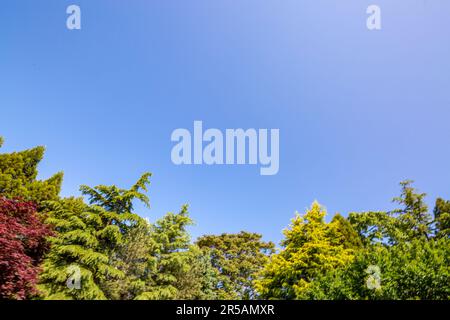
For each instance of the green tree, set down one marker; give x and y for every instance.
(78, 261)
(419, 269)
(237, 258)
(343, 233)
(199, 281)
(18, 172)
(442, 218)
(133, 257)
(170, 252)
(90, 243)
(311, 248)
(411, 221)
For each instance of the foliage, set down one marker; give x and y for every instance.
(90, 240)
(412, 221)
(97, 247)
(18, 172)
(171, 255)
(79, 253)
(311, 247)
(236, 258)
(442, 218)
(413, 259)
(199, 281)
(419, 269)
(22, 244)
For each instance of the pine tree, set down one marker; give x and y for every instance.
(18, 172)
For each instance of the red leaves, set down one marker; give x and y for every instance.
(22, 244)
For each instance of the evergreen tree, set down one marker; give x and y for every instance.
(414, 219)
(409, 222)
(309, 250)
(78, 262)
(236, 258)
(90, 240)
(343, 233)
(18, 172)
(442, 218)
(170, 250)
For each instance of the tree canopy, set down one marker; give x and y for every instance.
(98, 247)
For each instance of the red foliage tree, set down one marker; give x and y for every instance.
(22, 245)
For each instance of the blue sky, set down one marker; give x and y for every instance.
(358, 110)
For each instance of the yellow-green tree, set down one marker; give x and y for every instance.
(311, 247)
(18, 172)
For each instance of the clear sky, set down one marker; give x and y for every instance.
(358, 110)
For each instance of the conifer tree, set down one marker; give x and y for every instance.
(343, 233)
(171, 244)
(18, 172)
(409, 222)
(309, 250)
(89, 241)
(442, 218)
(78, 261)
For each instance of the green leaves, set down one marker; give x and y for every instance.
(236, 259)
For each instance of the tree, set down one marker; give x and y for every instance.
(18, 172)
(78, 261)
(236, 258)
(170, 252)
(414, 219)
(90, 240)
(411, 221)
(310, 249)
(343, 233)
(133, 257)
(114, 199)
(442, 218)
(419, 269)
(22, 245)
(200, 280)
(399, 245)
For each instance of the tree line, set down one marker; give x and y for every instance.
(97, 247)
